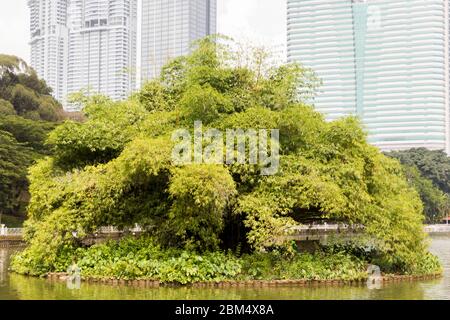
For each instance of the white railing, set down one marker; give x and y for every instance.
(326, 227)
(113, 230)
(5, 231)
(438, 228)
(108, 230)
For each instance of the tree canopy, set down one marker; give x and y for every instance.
(29, 95)
(27, 114)
(14, 160)
(116, 168)
(429, 172)
(432, 164)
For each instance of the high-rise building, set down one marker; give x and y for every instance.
(49, 40)
(85, 45)
(386, 61)
(168, 29)
(102, 47)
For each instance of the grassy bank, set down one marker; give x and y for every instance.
(142, 259)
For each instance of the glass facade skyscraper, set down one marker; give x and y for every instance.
(168, 29)
(386, 61)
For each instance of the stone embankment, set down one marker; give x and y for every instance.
(250, 284)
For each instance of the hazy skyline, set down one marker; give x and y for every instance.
(259, 21)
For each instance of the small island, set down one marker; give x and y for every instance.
(211, 220)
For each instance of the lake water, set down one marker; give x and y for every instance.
(15, 287)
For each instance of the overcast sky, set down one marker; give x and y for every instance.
(259, 21)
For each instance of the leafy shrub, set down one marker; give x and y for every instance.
(319, 266)
(6, 108)
(143, 259)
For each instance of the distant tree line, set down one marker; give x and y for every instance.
(28, 113)
(429, 173)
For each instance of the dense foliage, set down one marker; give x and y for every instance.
(142, 258)
(116, 169)
(433, 165)
(429, 172)
(29, 96)
(436, 203)
(14, 160)
(27, 114)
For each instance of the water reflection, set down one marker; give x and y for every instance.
(18, 287)
(3, 266)
(441, 247)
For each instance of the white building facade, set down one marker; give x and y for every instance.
(168, 29)
(100, 43)
(386, 61)
(102, 47)
(49, 43)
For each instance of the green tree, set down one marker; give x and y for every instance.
(14, 160)
(436, 203)
(28, 132)
(29, 95)
(6, 108)
(433, 165)
(116, 168)
(27, 114)
(24, 99)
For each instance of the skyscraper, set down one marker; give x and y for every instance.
(386, 61)
(49, 41)
(102, 47)
(85, 45)
(168, 29)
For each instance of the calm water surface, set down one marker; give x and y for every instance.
(15, 287)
